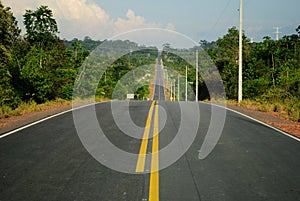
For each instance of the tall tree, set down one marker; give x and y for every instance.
(9, 33)
(39, 70)
(40, 25)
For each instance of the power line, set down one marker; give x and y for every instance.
(219, 18)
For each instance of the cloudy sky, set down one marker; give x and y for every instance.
(198, 19)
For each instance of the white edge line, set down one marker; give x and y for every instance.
(276, 129)
(44, 119)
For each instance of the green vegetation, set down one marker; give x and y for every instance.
(28, 107)
(39, 67)
(145, 59)
(87, 43)
(271, 71)
(176, 62)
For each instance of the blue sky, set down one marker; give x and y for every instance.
(197, 19)
(210, 19)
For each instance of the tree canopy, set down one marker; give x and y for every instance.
(40, 25)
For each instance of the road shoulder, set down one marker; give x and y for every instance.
(271, 119)
(14, 122)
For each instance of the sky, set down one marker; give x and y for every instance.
(197, 19)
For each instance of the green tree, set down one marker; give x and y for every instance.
(226, 56)
(298, 30)
(40, 26)
(47, 69)
(9, 34)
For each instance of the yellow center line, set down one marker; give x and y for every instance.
(154, 176)
(140, 166)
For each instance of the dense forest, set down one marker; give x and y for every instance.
(39, 66)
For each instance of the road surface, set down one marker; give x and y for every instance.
(47, 161)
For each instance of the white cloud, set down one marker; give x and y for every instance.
(132, 22)
(79, 18)
(78, 10)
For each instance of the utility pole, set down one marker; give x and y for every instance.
(277, 33)
(197, 69)
(185, 83)
(167, 79)
(178, 86)
(240, 84)
(165, 70)
(174, 90)
(171, 85)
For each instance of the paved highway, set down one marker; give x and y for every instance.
(251, 161)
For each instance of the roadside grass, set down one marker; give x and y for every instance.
(31, 106)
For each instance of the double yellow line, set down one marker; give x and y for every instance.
(140, 167)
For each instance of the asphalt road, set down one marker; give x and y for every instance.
(159, 83)
(252, 162)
